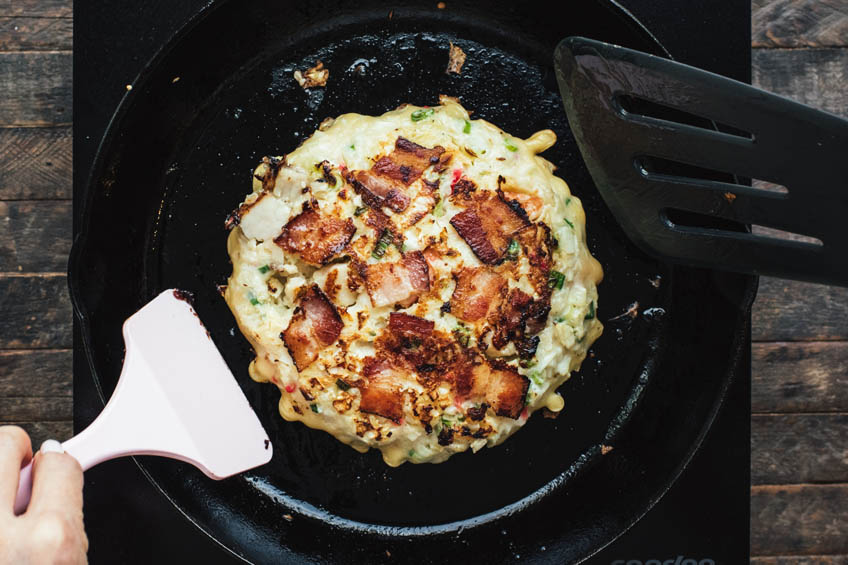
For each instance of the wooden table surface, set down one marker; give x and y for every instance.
(799, 464)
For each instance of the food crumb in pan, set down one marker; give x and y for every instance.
(605, 449)
(631, 312)
(730, 197)
(441, 5)
(456, 58)
(313, 77)
(175, 80)
(129, 87)
(288, 517)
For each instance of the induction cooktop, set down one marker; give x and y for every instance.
(702, 520)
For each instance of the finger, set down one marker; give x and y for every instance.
(15, 450)
(56, 484)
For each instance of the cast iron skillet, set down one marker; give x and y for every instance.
(178, 157)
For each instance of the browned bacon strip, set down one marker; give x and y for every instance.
(314, 237)
(316, 324)
(477, 290)
(500, 386)
(398, 283)
(380, 392)
(488, 225)
(410, 325)
(509, 321)
(533, 205)
(408, 161)
(378, 191)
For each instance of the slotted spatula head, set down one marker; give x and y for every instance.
(646, 128)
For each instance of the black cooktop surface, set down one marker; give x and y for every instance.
(703, 519)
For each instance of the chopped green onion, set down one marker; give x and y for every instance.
(252, 298)
(462, 334)
(559, 319)
(569, 223)
(352, 146)
(513, 249)
(529, 363)
(591, 314)
(382, 245)
(446, 423)
(419, 115)
(411, 453)
(509, 145)
(536, 377)
(567, 201)
(439, 209)
(555, 280)
(342, 385)
(314, 408)
(360, 210)
(467, 128)
(264, 269)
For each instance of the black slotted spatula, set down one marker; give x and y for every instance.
(666, 145)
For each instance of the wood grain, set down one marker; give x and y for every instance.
(40, 431)
(35, 236)
(799, 23)
(36, 163)
(797, 311)
(36, 409)
(816, 77)
(799, 519)
(36, 313)
(800, 377)
(799, 448)
(801, 560)
(35, 88)
(37, 8)
(36, 373)
(36, 34)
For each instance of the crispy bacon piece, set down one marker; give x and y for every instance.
(378, 191)
(398, 283)
(386, 184)
(316, 324)
(478, 289)
(380, 393)
(510, 319)
(407, 161)
(500, 386)
(314, 237)
(411, 326)
(531, 204)
(488, 225)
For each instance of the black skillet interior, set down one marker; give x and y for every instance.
(178, 157)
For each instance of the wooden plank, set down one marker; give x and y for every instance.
(799, 448)
(40, 431)
(816, 77)
(35, 236)
(799, 23)
(36, 409)
(800, 377)
(37, 8)
(36, 372)
(799, 519)
(36, 313)
(35, 88)
(36, 34)
(797, 311)
(36, 163)
(801, 560)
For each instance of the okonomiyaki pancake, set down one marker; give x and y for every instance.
(416, 282)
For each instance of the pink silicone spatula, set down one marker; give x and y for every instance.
(176, 398)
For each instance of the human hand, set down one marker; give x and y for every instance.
(51, 530)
